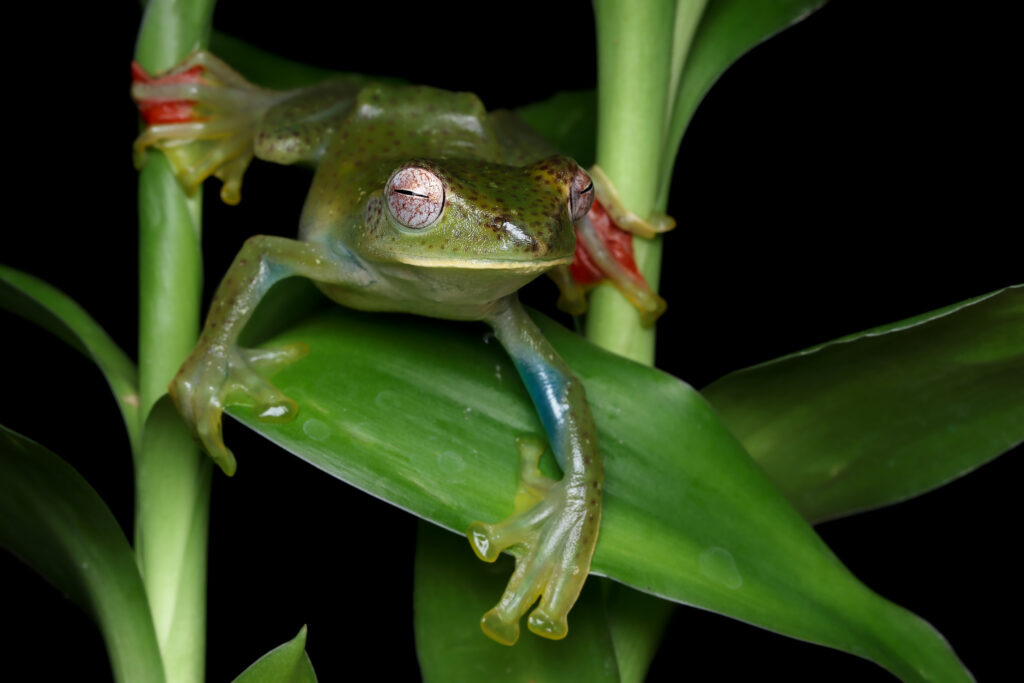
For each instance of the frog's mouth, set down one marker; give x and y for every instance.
(529, 266)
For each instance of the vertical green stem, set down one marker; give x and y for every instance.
(172, 477)
(642, 49)
(634, 56)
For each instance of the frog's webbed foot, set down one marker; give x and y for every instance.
(555, 525)
(204, 116)
(216, 375)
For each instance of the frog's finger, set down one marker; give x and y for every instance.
(532, 484)
(501, 622)
(227, 161)
(214, 96)
(271, 360)
(210, 434)
(561, 590)
(245, 386)
(606, 193)
(490, 540)
(215, 67)
(628, 281)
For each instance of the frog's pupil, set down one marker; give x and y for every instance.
(410, 193)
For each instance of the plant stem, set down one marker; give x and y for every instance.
(642, 50)
(634, 45)
(172, 476)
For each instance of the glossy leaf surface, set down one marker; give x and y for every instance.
(57, 524)
(54, 311)
(727, 30)
(286, 663)
(880, 416)
(424, 414)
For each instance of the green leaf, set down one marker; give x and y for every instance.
(424, 414)
(727, 30)
(57, 524)
(51, 309)
(637, 622)
(286, 663)
(453, 590)
(568, 120)
(266, 68)
(887, 414)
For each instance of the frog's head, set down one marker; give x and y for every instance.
(469, 215)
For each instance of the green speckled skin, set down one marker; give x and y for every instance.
(506, 217)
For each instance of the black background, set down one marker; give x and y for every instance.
(850, 172)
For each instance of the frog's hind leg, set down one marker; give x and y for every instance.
(204, 116)
(554, 529)
(209, 120)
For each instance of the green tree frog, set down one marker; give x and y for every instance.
(424, 203)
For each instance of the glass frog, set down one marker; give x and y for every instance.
(424, 203)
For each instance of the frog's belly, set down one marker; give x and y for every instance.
(439, 292)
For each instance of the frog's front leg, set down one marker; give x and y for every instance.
(218, 372)
(558, 533)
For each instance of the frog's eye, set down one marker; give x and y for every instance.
(581, 194)
(415, 197)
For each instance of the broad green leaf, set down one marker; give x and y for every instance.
(54, 311)
(286, 663)
(727, 30)
(637, 622)
(615, 633)
(57, 524)
(884, 415)
(424, 414)
(453, 590)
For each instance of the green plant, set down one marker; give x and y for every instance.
(339, 532)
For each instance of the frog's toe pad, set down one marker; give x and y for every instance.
(281, 409)
(210, 435)
(498, 629)
(482, 538)
(553, 626)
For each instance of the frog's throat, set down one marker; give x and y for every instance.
(530, 266)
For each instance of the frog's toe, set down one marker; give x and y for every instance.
(272, 360)
(490, 540)
(549, 625)
(556, 537)
(499, 629)
(279, 409)
(210, 433)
